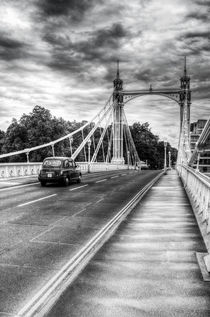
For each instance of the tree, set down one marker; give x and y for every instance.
(149, 147)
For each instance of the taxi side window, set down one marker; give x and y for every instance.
(66, 164)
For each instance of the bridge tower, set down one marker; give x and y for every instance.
(118, 120)
(185, 97)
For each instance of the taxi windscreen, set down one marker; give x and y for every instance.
(52, 163)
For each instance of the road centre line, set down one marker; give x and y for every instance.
(15, 187)
(115, 176)
(34, 201)
(78, 187)
(102, 180)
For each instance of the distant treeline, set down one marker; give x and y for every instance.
(39, 127)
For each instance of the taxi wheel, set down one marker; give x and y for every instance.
(66, 181)
(43, 183)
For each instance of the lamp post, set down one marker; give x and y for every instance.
(165, 162)
(89, 144)
(128, 159)
(169, 159)
(70, 142)
(53, 149)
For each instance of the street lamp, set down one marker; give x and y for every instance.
(169, 159)
(165, 145)
(89, 144)
(128, 158)
(71, 141)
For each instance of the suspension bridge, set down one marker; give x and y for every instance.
(125, 242)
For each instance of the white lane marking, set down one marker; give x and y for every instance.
(79, 212)
(16, 187)
(98, 201)
(115, 176)
(77, 187)
(123, 174)
(49, 229)
(34, 201)
(102, 180)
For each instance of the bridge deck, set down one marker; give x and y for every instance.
(149, 266)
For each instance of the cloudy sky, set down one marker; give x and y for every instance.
(61, 54)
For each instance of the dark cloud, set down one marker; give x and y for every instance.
(10, 48)
(99, 48)
(205, 3)
(197, 34)
(198, 16)
(73, 8)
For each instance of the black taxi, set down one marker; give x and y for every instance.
(59, 170)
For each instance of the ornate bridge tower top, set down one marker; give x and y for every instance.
(118, 83)
(185, 79)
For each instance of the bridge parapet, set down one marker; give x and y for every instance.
(197, 187)
(10, 170)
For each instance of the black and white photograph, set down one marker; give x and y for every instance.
(104, 158)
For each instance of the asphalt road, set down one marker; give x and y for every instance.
(41, 228)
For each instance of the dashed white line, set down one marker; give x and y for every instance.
(123, 174)
(79, 212)
(78, 187)
(101, 180)
(34, 201)
(115, 176)
(16, 187)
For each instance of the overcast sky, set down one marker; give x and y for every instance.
(62, 55)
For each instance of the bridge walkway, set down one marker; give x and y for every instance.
(149, 267)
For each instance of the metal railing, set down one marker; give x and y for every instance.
(198, 190)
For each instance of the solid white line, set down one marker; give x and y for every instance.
(77, 187)
(114, 176)
(15, 187)
(102, 180)
(34, 201)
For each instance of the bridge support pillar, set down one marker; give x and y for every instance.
(118, 134)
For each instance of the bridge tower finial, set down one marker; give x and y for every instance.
(118, 83)
(118, 69)
(185, 65)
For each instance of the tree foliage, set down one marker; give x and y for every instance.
(149, 147)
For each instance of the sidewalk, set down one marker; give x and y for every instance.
(149, 267)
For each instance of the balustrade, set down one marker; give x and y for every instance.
(11, 170)
(197, 187)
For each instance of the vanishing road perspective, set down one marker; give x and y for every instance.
(87, 228)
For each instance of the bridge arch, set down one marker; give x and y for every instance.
(181, 95)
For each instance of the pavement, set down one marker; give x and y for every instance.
(149, 267)
(42, 228)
